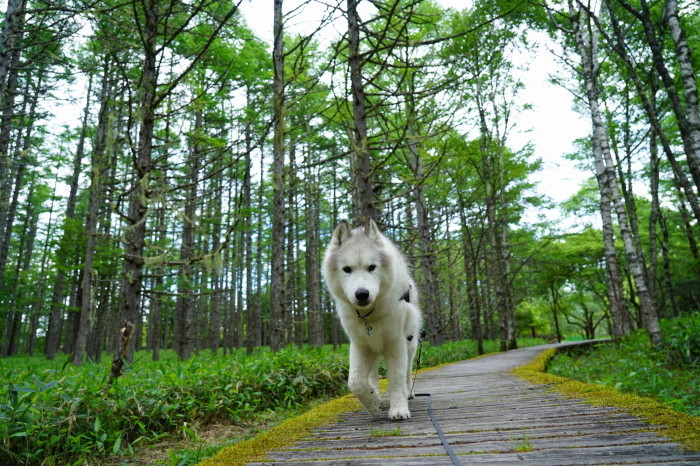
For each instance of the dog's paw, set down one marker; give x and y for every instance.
(373, 404)
(399, 414)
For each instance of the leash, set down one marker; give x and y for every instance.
(436, 424)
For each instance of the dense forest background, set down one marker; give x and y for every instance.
(194, 191)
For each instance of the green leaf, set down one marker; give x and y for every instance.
(117, 445)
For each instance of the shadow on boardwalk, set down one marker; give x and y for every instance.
(489, 416)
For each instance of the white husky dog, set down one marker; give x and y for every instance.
(377, 303)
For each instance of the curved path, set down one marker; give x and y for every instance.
(489, 416)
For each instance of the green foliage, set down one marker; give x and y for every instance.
(681, 342)
(670, 373)
(56, 415)
(531, 317)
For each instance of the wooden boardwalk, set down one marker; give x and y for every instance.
(489, 416)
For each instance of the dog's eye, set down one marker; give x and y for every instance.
(371, 267)
(347, 269)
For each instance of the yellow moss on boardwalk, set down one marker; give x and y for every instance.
(285, 434)
(672, 424)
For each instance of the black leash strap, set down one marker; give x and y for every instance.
(443, 439)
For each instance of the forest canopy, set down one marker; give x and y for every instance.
(193, 192)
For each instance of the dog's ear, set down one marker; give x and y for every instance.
(341, 233)
(372, 230)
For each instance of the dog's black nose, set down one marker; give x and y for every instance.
(362, 295)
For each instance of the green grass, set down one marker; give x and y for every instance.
(374, 432)
(669, 373)
(54, 413)
(523, 445)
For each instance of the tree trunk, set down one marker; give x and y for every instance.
(426, 245)
(472, 287)
(41, 285)
(665, 254)
(278, 335)
(135, 234)
(24, 255)
(252, 317)
(214, 336)
(313, 260)
(9, 73)
(655, 213)
(184, 307)
(364, 204)
(84, 314)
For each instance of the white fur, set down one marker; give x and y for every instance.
(365, 260)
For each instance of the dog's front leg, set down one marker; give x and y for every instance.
(397, 365)
(362, 362)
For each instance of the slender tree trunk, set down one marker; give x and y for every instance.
(364, 203)
(84, 314)
(24, 256)
(214, 337)
(252, 306)
(157, 322)
(185, 331)
(155, 316)
(10, 42)
(508, 305)
(431, 292)
(665, 254)
(39, 298)
(135, 234)
(472, 287)
(554, 293)
(655, 213)
(278, 311)
(495, 254)
(258, 261)
(313, 267)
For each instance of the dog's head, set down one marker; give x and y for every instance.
(356, 264)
